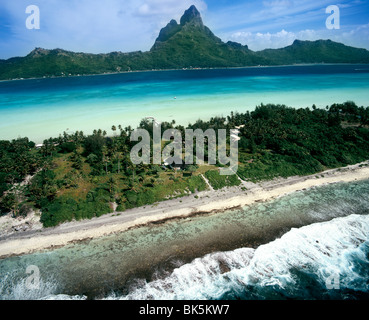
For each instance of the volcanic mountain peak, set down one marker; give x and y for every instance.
(191, 15)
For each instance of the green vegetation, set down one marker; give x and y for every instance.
(17, 160)
(218, 181)
(281, 141)
(320, 51)
(189, 44)
(79, 177)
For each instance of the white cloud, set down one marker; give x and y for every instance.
(172, 8)
(259, 41)
(128, 25)
(277, 6)
(93, 25)
(356, 37)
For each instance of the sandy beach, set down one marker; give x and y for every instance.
(37, 239)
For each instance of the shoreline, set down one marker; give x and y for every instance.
(182, 69)
(205, 202)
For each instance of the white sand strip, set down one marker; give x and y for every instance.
(206, 201)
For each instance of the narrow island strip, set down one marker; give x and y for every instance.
(204, 202)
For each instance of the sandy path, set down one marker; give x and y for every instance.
(206, 201)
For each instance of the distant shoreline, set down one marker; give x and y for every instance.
(185, 69)
(30, 120)
(201, 203)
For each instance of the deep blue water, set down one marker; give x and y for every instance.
(86, 82)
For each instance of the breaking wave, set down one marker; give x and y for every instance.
(325, 256)
(320, 261)
(327, 260)
(12, 287)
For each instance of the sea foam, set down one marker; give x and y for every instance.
(309, 255)
(301, 264)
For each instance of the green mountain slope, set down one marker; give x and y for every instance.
(189, 44)
(320, 51)
(57, 62)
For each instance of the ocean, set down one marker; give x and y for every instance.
(312, 244)
(43, 108)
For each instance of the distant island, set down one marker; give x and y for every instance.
(188, 44)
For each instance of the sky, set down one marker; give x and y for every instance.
(96, 26)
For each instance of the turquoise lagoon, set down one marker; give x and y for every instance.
(43, 108)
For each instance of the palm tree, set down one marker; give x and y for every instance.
(119, 157)
(114, 128)
(111, 184)
(105, 158)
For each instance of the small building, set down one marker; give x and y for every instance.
(173, 162)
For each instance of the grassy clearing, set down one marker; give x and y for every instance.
(218, 181)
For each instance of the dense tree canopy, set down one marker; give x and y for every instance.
(75, 176)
